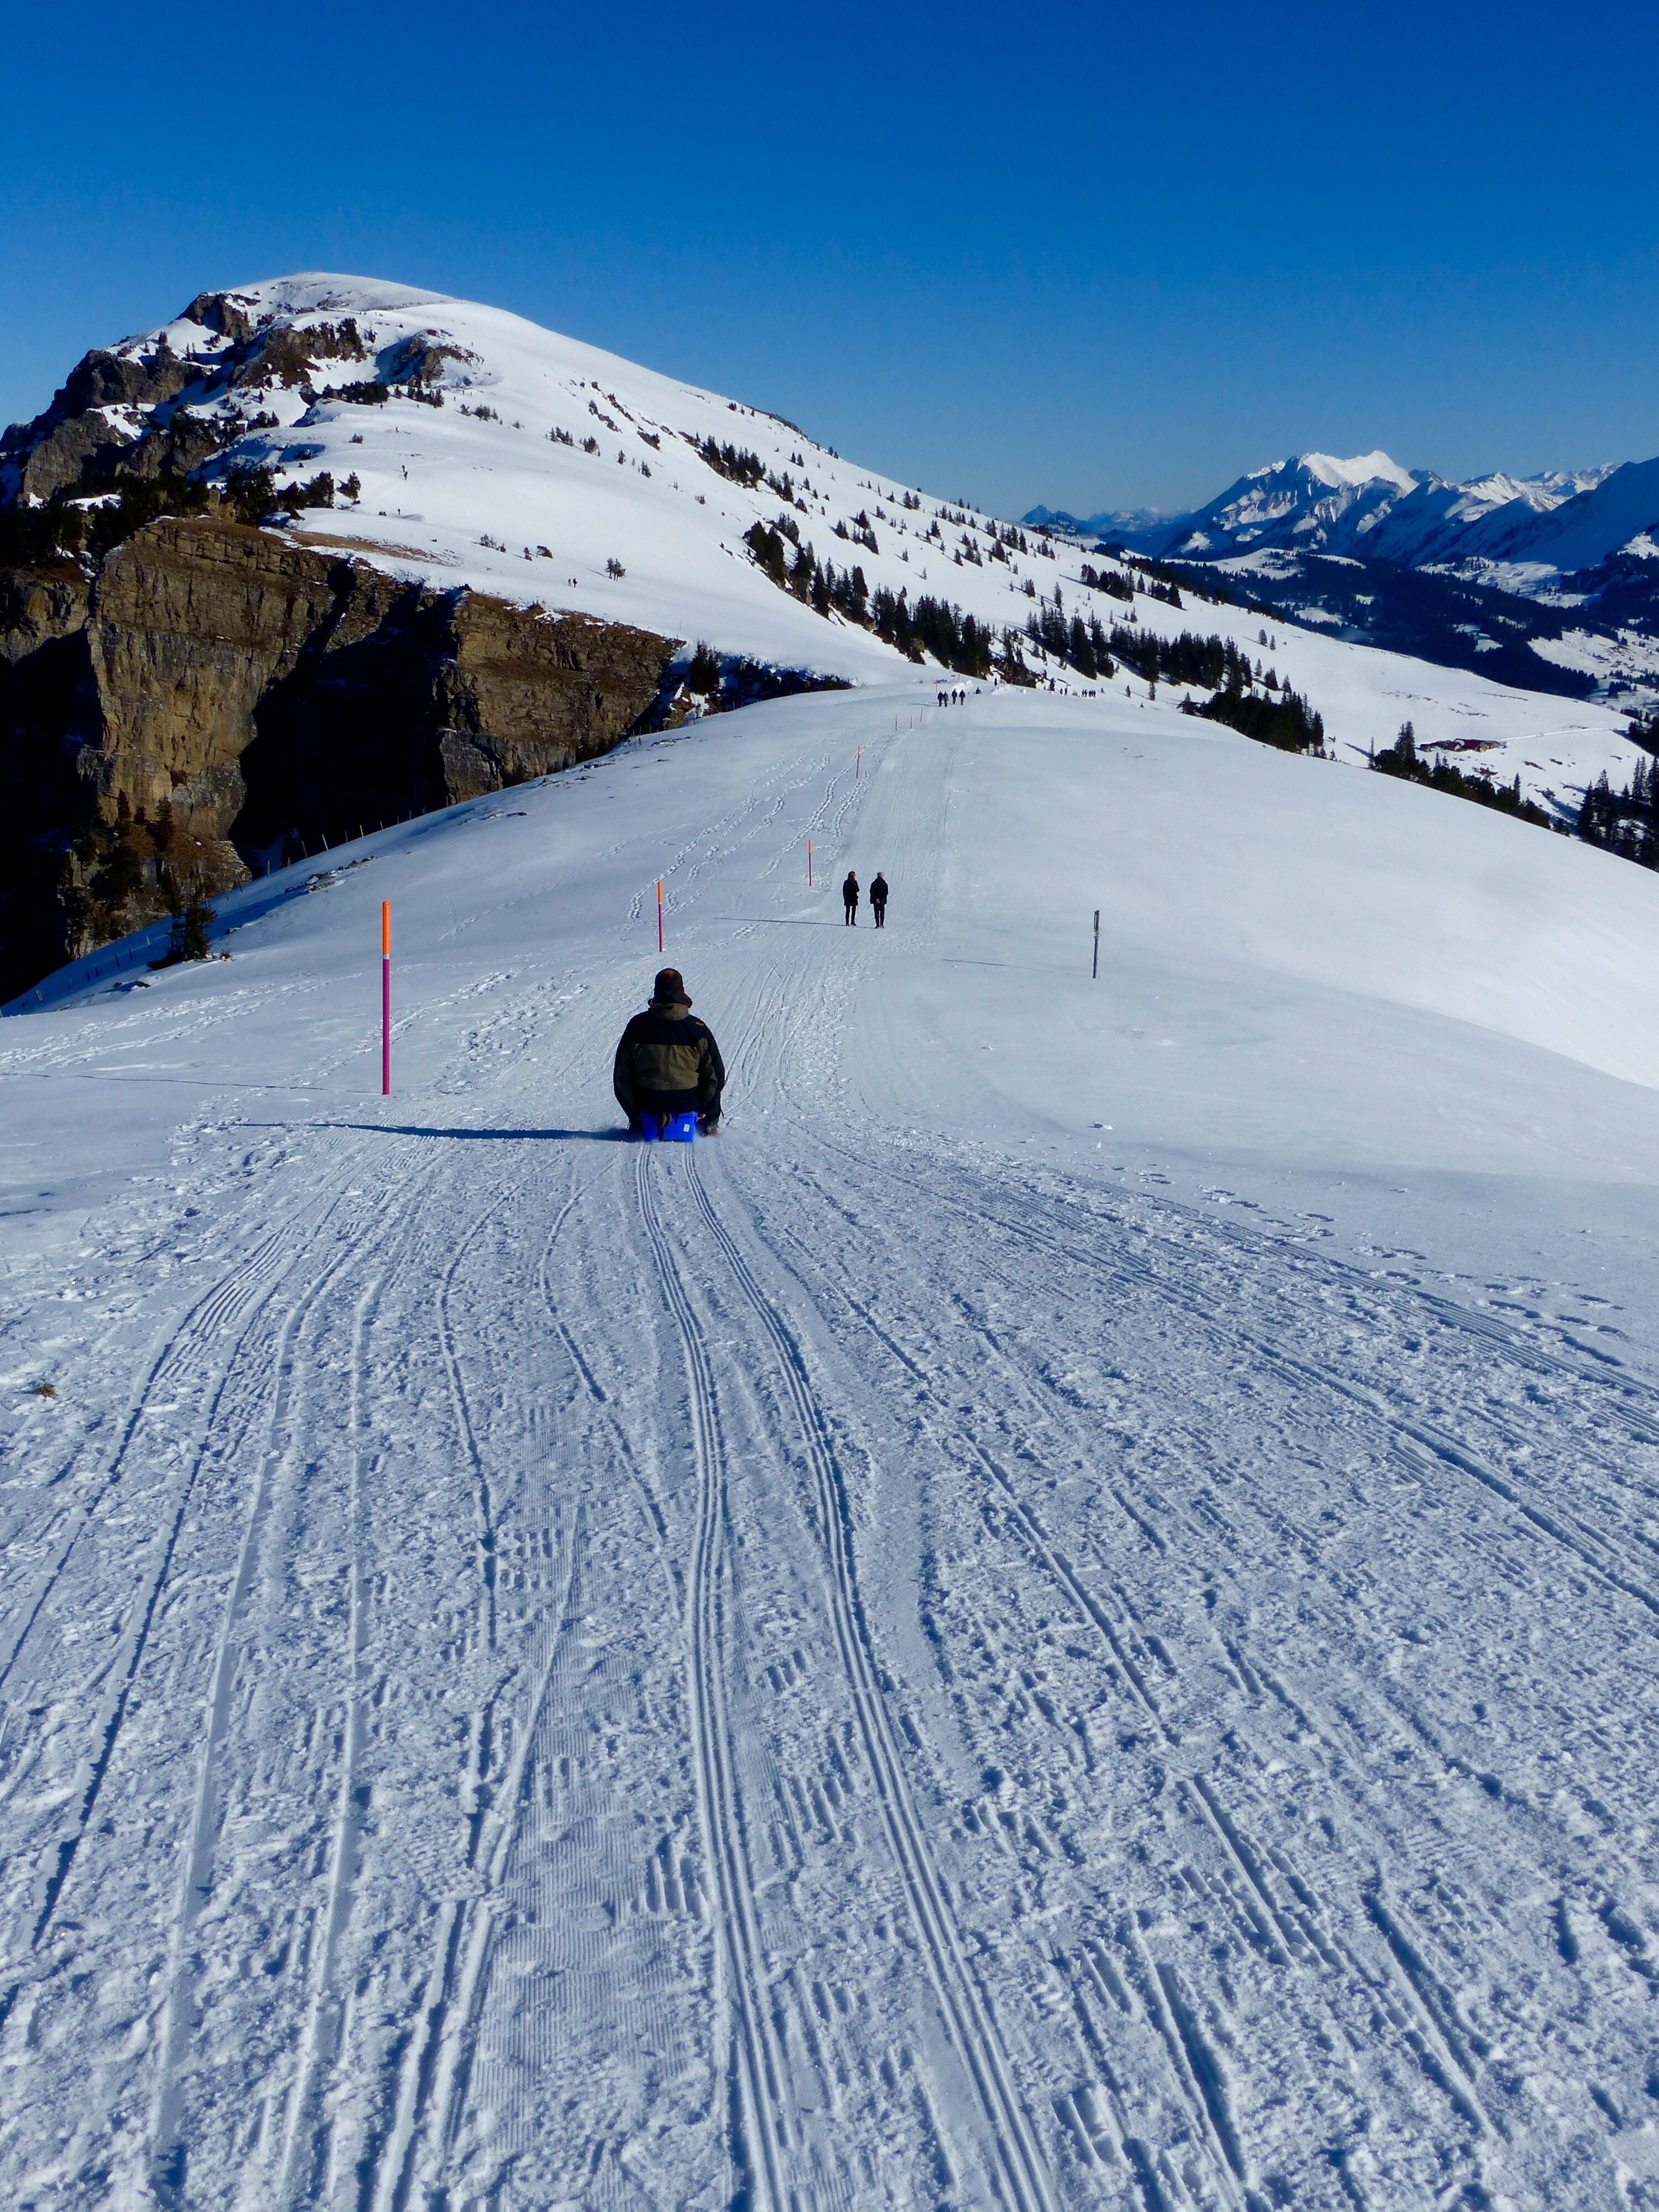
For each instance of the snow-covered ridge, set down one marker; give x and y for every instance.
(492, 454)
(1559, 520)
(511, 459)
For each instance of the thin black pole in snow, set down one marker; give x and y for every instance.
(1095, 970)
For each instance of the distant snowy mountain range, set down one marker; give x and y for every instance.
(478, 457)
(1453, 571)
(1369, 507)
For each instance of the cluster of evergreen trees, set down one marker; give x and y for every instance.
(928, 625)
(1108, 581)
(1161, 583)
(1212, 663)
(731, 461)
(1402, 759)
(1283, 718)
(955, 640)
(1624, 822)
(61, 528)
(1079, 645)
(1286, 721)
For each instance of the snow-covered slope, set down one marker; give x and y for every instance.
(1065, 1616)
(480, 491)
(493, 488)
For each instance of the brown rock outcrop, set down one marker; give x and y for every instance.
(247, 692)
(73, 435)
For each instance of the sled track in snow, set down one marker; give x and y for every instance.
(589, 1384)
(242, 1295)
(308, 2133)
(437, 2067)
(197, 1879)
(434, 2077)
(758, 2062)
(1292, 1932)
(963, 2004)
(251, 1280)
(1589, 1547)
(464, 1427)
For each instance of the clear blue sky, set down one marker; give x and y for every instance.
(1089, 255)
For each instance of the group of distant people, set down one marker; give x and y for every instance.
(849, 899)
(957, 695)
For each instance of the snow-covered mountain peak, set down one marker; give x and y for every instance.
(469, 447)
(1362, 469)
(314, 291)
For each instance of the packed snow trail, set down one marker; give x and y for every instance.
(895, 1658)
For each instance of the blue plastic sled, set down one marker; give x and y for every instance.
(669, 1128)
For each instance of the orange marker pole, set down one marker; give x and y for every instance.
(660, 914)
(858, 765)
(385, 998)
(809, 864)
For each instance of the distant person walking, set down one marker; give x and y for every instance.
(849, 899)
(878, 898)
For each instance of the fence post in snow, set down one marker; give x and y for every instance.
(1095, 970)
(385, 998)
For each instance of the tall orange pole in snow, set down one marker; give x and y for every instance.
(809, 864)
(659, 915)
(385, 998)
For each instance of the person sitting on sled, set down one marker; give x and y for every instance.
(668, 1061)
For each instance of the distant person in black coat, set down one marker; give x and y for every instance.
(849, 899)
(878, 898)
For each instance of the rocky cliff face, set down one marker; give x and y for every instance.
(115, 412)
(215, 694)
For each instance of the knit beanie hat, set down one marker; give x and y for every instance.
(669, 986)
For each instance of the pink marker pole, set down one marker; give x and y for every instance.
(659, 915)
(385, 998)
(809, 864)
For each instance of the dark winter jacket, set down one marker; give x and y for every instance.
(878, 890)
(849, 891)
(668, 1062)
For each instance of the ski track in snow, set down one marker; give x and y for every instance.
(837, 1667)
